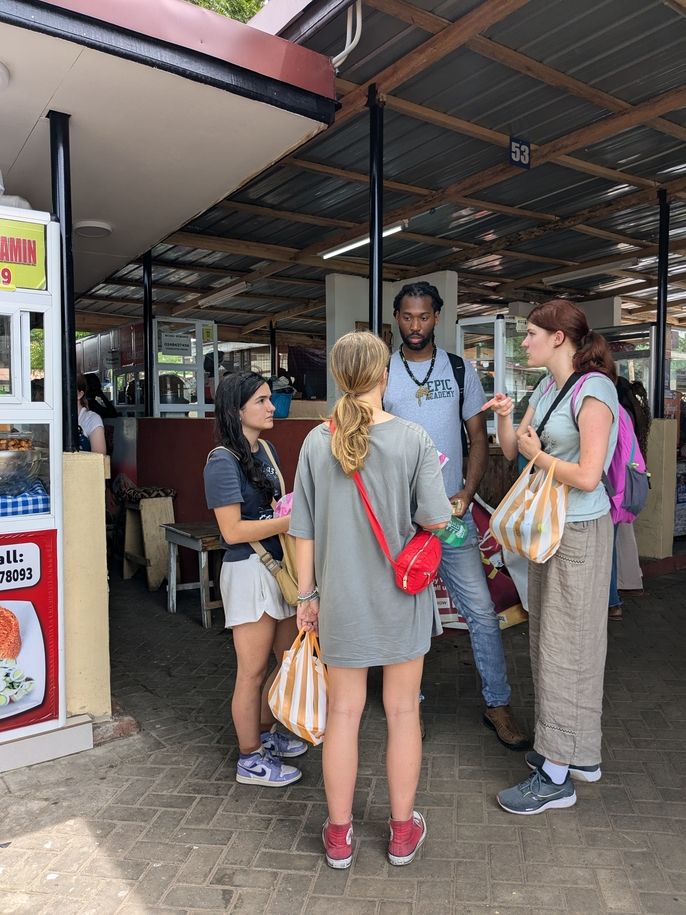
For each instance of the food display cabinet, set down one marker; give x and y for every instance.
(32, 696)
(492, 344)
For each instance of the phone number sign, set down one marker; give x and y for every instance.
(19, 566)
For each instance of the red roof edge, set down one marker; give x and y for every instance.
(185, 25)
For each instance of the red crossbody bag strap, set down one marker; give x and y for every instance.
(373, 520)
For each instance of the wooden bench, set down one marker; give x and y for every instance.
(143, 539)
(203, 538)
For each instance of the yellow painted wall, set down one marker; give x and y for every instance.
(654, 527)
(87, 643)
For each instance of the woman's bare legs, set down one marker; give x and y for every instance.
(253, 643)
(345, 704)
(283, 639)
(401, 685)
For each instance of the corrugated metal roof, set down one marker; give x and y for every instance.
(633, 49)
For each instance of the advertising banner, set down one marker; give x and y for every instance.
(29, 629)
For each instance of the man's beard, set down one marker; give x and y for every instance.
(417, 345)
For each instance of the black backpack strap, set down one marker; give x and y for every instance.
(457, 365)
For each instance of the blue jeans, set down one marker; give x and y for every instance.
(614, 600)
(463, 574)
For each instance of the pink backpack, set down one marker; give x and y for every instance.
(626, 481)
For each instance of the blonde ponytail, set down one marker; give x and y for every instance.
(358, 361)
(350, 441)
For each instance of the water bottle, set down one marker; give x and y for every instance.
(455, 533)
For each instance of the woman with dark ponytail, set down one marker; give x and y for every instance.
(567, 594)
(241, 485)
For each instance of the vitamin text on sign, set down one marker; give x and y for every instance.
(22, 255)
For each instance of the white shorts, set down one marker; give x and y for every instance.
(249, 590)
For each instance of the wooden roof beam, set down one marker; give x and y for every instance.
(521, 63)
(283, 316)
(225, 272)
(495, 137)
(434, 49)
(591, 133)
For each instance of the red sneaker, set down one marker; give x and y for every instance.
(407, 837)
(338, 844)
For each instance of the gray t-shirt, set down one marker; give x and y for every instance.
(365, 620)
(561, 436)
(439, 411)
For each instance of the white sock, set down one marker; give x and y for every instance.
(555, 772)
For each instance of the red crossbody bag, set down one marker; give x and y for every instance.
(417, 564)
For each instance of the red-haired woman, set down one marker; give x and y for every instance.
(568, 594)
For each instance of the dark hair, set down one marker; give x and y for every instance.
(93, 385)
(418, 291)
(233, 392)
(81, 383)
(592, 352)
(634, 398)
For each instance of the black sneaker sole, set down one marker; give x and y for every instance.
(522, 745)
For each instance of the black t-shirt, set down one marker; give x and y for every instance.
(226, 483)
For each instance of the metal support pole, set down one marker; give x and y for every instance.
(272, 349)
(375, 106)
(60, 172)
(148, 337)
(662, 279)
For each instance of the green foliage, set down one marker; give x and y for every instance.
(234, 9)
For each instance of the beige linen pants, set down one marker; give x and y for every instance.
(568, 642)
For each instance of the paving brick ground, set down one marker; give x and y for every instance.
(156, 823)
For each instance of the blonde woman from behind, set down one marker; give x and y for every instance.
(347, 587)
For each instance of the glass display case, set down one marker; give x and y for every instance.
(30, 398)
(32, 699)
(184, 351)
(492, 344)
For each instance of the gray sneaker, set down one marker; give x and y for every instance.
(578, 773)
(536, 794)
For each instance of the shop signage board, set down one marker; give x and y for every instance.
(175, 344)
(22, 255)
(32, 699)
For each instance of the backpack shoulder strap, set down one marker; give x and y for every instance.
(577, 388)
(457, 364)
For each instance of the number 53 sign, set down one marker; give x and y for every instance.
(520, 152)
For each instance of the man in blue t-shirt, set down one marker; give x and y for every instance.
(422, 388)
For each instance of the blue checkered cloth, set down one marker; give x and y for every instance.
(32, 502)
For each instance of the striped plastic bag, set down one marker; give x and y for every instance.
(297, 696)
(531, 518)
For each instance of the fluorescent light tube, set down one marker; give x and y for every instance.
(224, 293)
(393, 230)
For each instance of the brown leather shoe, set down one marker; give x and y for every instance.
(508, 732)
(615, 613)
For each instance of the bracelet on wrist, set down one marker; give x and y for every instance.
(310, 595)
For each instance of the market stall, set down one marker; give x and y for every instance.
(32, 670)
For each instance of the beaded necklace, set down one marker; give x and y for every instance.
(422, 389)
